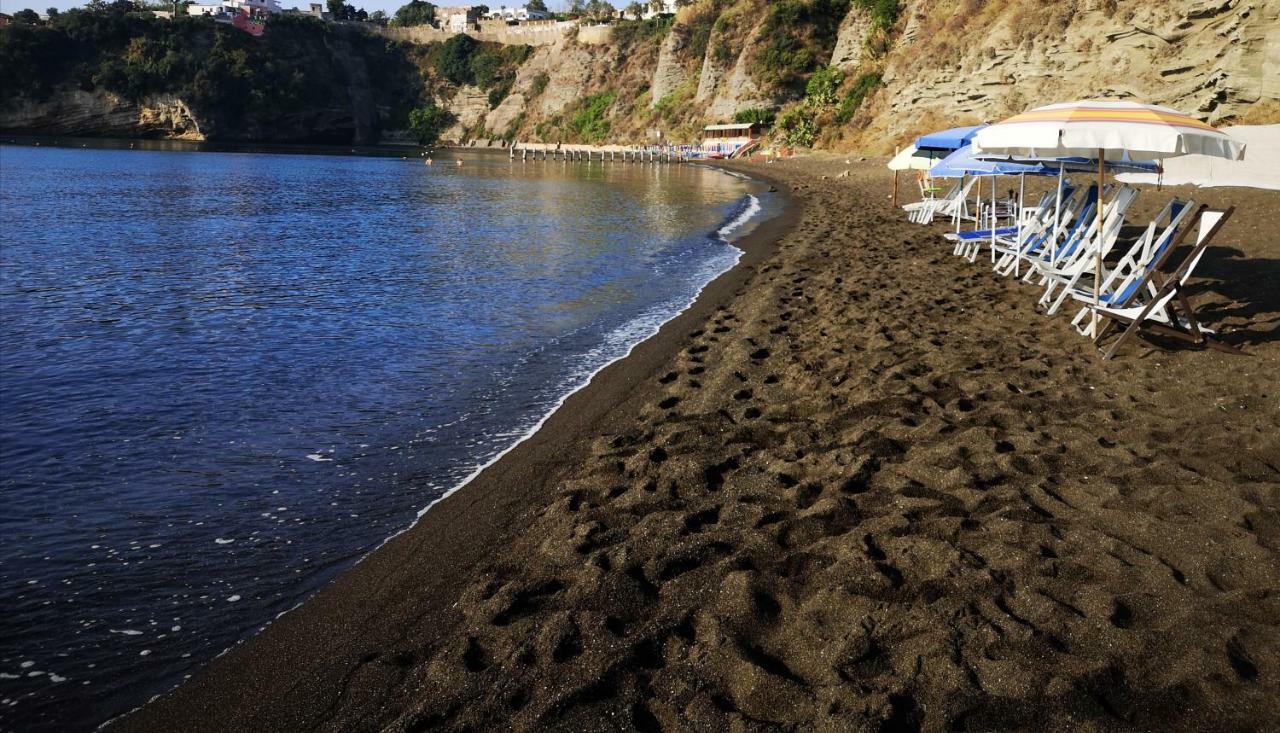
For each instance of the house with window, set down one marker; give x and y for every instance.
(458, 19)
(517, 14)
(256, 8)
(669, 7)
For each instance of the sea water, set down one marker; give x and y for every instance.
(225, 377)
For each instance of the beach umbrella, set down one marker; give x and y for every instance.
(1102, 130)
(965, 162)
(947, 140)
(910, 159)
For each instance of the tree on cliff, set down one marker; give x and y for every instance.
(28, 16)
(600, 10)
(635, 10)
(416, 12)
(536, 6)
(426, 123)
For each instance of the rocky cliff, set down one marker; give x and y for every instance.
(888, 70)
(102, 113)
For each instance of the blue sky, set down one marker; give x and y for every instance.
(11, 6)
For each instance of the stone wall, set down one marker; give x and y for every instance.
(535, 33)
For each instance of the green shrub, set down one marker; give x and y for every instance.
(426, 123)
(754, 115)
(884, 13)
(794, 35)
(822, 86)
(539, 84)
(588, 122)
(797, 127)
(415, 13)
(628, 32)
(853, 99)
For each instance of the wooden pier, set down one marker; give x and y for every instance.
(663, 154)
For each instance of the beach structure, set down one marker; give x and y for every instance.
(1105, 129)
(727, 141)
(604, 153)
(1068, 238)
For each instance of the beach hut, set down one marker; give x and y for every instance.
(1102, 129)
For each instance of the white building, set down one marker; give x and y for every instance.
(516, 14)
(231, 7)
(669, 7)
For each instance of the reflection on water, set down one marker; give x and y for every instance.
(225, 377)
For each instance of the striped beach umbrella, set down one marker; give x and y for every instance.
(1102, 129)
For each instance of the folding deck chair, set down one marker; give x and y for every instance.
(1121, 285)
(1158, 313)
(1080, 257)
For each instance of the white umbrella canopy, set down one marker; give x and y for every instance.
(1102, 129)
(911, 159)
(1119, 129)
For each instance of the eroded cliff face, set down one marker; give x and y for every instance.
(1218, 59)
(942, 62)
(98, 113)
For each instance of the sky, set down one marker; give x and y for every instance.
(12, 6)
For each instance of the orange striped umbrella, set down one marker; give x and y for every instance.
(1119, 129)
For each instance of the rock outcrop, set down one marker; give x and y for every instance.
(1216, 58)
(852, 38)
(104, 114)
(670, 72)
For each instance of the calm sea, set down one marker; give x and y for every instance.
(224, 377)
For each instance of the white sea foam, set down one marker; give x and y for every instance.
(748, 213)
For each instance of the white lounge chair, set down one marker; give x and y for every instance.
(1119, 287)
(1158, 312)
(1083, 258)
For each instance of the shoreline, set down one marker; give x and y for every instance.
(449, 519)
(860, 484)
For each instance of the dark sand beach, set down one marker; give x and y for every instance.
(860, 485)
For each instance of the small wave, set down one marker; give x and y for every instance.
(748, 212)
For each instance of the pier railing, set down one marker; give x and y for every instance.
(607, 153)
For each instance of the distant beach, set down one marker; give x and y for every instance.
(857, 485)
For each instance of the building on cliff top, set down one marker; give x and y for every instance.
(459, 19)
(232, 7)
(517, 14)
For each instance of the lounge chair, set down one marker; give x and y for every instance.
(1158, 312)
(1120, 286)
(920, 212)
(1080, 256)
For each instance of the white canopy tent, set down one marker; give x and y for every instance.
(1259, 169)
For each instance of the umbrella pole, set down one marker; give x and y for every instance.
(895, 181)
(1097, 275)
(1022, 193)
(1057, 221)
(993, 219)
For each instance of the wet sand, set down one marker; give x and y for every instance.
(860, 485)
